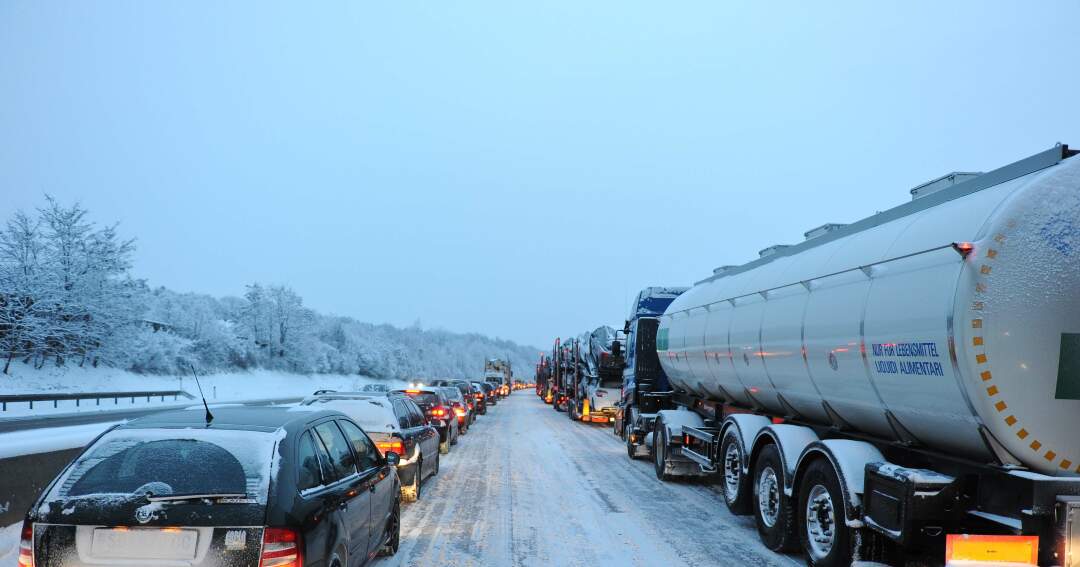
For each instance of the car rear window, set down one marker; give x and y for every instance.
(167, 462)
(376, 416)
(427, 398)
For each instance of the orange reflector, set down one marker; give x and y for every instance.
(964, 249)
(996, 549)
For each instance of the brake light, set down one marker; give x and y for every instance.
(438, 411)
(392, 447)
(459, 411)
(26, 545)
(479, 396)
(412, 391)
(281, 548)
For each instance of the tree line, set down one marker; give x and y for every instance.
(67, 298)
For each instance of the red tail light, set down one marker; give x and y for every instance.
(479, 396)
(281, 548)
(438, 411)
(459, 411)
(391, 446)
(26, 545)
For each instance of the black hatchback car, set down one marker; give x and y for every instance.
(255, 487)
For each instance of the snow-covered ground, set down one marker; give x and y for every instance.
(527, 487)
(9, 544)
(254, 385)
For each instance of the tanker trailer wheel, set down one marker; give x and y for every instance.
(823, 530)
(660, 451)
(737, 493)
(773, 512)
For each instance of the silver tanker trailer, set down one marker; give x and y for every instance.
(906, 384)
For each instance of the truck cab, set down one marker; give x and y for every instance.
(642, 374)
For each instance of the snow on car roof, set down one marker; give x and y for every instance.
(373, 415)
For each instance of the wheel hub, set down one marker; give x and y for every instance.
(769, 497)
(820, 521)
(732, 472)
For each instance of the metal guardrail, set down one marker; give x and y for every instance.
(96, 396)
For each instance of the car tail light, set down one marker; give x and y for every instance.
(438, 411)
(479, 396)
(459, 411)
(281, 548)
(392, 447)
(26, 545)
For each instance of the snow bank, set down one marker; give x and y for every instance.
(9, 544)
(237, 387)
(47, 440)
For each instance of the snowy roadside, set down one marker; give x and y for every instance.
(236, 387)
(9, 544)
(48, 440)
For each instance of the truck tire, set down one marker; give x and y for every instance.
(660, 451)
(737, 492)
(773, 513)
(631, 449)
(822, 517)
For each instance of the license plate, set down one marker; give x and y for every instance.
(145, 543)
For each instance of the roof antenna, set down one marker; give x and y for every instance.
(209, 416)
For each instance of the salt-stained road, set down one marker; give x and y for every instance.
(528, 487)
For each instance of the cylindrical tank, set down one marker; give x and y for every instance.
(890, 330)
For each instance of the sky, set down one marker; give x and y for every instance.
(519, 169)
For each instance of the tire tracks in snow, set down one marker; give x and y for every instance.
(528, 487)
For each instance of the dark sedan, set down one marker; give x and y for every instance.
(437, 411)
(254, 486)
(396, 424)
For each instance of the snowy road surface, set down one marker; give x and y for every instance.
(528, 487)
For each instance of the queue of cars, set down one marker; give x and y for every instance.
(319, 483)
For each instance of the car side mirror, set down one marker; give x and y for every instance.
(392, 458)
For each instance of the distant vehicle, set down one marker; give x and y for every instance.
(459, 406)
(396, 424)
(383, 388)
(491, 394)
(465, 388)
(501, 389)
(254, 487)
(500, 373)
(479, 396)
(437, 411)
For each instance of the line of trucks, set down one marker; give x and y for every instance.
(903, 387)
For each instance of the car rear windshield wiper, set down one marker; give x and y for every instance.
(177, 497)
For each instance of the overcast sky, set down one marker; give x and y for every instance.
(519, 169)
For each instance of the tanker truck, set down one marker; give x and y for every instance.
(906, 385)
